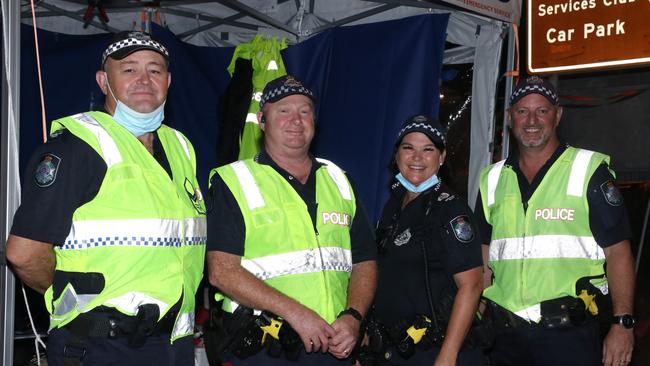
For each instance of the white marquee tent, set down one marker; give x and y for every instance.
(227, 23)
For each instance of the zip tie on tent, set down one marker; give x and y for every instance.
(40, 77)
(515, 72)
(37, 339)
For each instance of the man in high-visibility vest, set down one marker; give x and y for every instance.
(287, 237)
(558, 245)
(112, 224)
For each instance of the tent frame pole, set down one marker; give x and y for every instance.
(9, 186)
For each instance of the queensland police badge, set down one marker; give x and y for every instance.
(612, 194)
(45, 173)
(462, 229)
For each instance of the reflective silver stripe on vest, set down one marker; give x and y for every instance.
(180, 138)
(70, 300)
(493, 181)
(88, 234)
(252, 118)
(532, 313)
(184, 325)
(131, 301)
(303, 261)
(109, 148)
(247, 182)
(338, 177)
(196, 231)
(578, 173)
(546, 247)
(127, 303)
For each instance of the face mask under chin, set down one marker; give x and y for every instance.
(137, 123)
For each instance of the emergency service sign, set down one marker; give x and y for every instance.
(569, 35)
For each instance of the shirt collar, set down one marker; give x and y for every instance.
(513, 159)
(264, 158)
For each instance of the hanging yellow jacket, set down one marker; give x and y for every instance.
(267, 65)
(143, 234)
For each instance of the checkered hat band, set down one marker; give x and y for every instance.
(284, 90)
(424, 126)
(534, 89)
(114, 47)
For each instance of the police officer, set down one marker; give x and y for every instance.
(112, 228)
(556, 224)
(429, 260)
(288, 236)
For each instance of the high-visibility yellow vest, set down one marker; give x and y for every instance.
(143, 232)
(281, 246)
(539, 253)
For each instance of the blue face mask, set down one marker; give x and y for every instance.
(432, 181)
(136, 122)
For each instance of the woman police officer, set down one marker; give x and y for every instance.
(430, 275)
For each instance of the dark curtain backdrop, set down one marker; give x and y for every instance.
(369, 79)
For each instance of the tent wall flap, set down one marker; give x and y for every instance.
(10, 182)
(369, 79)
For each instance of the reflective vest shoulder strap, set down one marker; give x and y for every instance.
(578, 173)
(183, 143)
(493, 180)
(338, 176)
(247, 181)
(109, 148)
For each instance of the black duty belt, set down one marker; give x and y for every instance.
(504, 318)
(113, 324)
(561, 312)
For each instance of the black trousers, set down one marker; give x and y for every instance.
(263, 359)
(537, 346)
(466, 357)
(157, 351)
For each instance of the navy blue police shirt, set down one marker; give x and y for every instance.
(439, 223)
(608, 219)
(227, 229)
(62, 175)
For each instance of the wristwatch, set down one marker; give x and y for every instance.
(625, 320)
(353, 313)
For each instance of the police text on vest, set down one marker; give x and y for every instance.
(564, 214)
(336, 218)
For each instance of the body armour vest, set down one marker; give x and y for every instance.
(141, 240)
(282, 247)
(539, 252)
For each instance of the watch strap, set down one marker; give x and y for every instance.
(625, 320)
(352, 312)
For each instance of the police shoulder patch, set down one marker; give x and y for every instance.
(45, 173)
(612, 194)
(462, 229)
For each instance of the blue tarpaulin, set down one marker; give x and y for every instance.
(368, 78)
